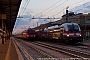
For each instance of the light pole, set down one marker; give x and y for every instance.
(37, 24)
(85, 14)
(67, 13)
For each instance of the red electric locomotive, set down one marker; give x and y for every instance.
(67, 32)
(28, 34)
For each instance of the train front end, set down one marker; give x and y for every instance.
(31, 34)
(73, 36)
(73, 33)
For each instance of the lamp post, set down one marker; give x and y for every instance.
(85, 14)
(37, 24)
(67, 13)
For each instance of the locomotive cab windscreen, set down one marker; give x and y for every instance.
(73, 27)
(31, 31)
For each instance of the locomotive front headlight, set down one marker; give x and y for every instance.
(27, 35)
(80, 35)
(68, 35)
(34, 35)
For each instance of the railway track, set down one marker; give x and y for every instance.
(46, 55)
(22, 52)
(82, 47)
(67, 51)
(72, 52)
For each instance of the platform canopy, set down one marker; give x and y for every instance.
(9, 11)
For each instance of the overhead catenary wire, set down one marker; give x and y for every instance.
(72, 5)
(56, 7)
(80, 9)
(82, 6)
(69, 7)
(48, 8)
(23, 10)
(76, 3)
(24, 7)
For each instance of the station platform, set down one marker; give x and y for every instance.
(8, 51)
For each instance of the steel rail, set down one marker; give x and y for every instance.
(38, 50)
(77, 53)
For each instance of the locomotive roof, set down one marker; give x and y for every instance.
(69, 23)
(65, 24)
(62, 25)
